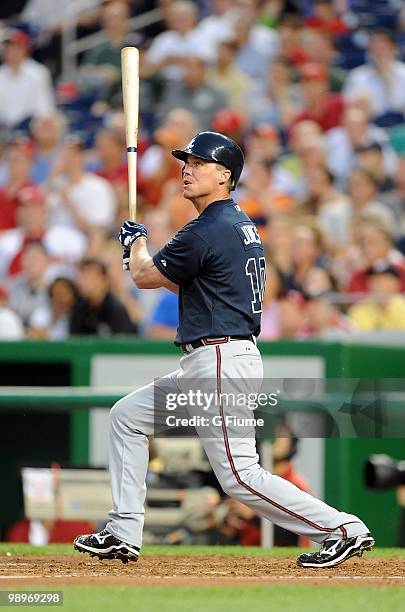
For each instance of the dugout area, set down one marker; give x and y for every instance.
(37, 431)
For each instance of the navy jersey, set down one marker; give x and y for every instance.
(218, 262)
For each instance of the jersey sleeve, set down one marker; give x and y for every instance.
(182, 258)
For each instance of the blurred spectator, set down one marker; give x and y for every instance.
(238, 524)
(256, 46)
(111, 164)
(179, 210)
(170, 49)
(331, 207)
(194, 93)
(395, 199)
(383, 77)
(369, 155)
(320, 105)
(385, 308)
(151, 87)
(279, 250)
(47, 133)
(65, 244)
(356, 131)
(227, 76)
(320, 48)
(262, 142)
(323, 317)
(158, 166)
(252, 70)
(111, 161)
(290, 31)
(121, 284)
(97, 311)
(11, 327)
(49, 17)
(377, 248)
(18, 158)
(77, 198)
(28, 290)
(270, 11)
(279, 101)
(232, 123)
(260, 196)
(217, 26)
(364, 194)
(291, 315)
(102, 65)
(325, 18)
(165, 317)
(25, 85)
(307, 250)
(308, 150)
(159, 222)
(51, 320)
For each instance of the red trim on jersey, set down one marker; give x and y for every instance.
(236, 474)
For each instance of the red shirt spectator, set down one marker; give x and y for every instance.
(321, 106)
(359, 281)
(110, 149)
(325, 18)
(19, 161)
(117, 175)
(377, 249)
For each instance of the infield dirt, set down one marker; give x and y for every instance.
(196, 570)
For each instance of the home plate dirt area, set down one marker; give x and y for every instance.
(196, 570)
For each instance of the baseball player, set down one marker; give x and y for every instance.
(216, 264)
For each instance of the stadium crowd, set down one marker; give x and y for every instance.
(314, 93)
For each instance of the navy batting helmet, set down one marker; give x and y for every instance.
(215, 147)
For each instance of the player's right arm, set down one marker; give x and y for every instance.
(137, 260)
(144, 272)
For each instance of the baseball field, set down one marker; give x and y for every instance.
(206, 578)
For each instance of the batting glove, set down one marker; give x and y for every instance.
(130, 232)
(125, 259)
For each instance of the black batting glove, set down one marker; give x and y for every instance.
(125, 259)
(130, 232)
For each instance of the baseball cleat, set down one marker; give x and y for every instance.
(335, 552)
(104, 545)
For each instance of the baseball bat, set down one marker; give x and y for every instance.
(130, 96)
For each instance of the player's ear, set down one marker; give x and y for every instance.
(225, 176)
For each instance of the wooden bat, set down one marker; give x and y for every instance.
(130, 95)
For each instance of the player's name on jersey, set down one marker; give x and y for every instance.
(216, 421)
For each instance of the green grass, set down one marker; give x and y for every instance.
(231, 551)
(272, 598)
(251, 598)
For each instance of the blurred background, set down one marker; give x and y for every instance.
(314, 93)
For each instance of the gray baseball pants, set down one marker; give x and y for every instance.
(233, 456)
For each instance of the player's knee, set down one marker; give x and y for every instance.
(237, 484)
(229, 484)
(117, 412)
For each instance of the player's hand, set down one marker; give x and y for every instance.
(125, 259)
(130, 232)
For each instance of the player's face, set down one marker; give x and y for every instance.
(200, 177)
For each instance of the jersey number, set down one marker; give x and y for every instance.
(257, 281)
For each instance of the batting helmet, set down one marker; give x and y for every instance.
(215, 147)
